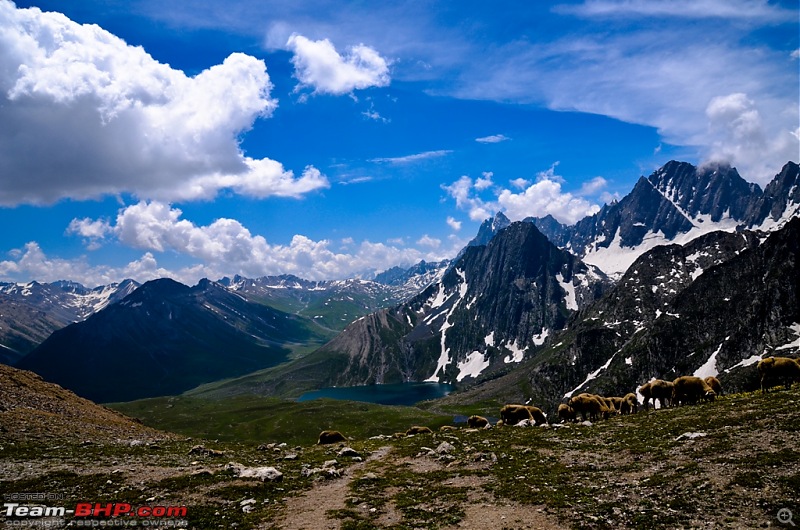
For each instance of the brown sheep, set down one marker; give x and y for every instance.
(691, 389)
(513, 414)
(416, 429)
(779, 369)
(588, 406)
(447, 428)
(539, 417)
(629, 404)
(662, 391)
(330, 437)
(566, 413)
(714, 383)
(616, 403)
(477, 422)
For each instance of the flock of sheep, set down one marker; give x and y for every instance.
(685, 390)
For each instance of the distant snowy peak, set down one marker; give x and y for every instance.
(676, 204)
(706, 192)
(30, 312)
(77, 300)
(489, 228)
(779, 203)
(395, 285)
(413, 280)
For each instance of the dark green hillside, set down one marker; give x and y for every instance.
(166, 338)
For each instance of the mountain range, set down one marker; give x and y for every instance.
(676, 204)
(30, 312)
(650, 286)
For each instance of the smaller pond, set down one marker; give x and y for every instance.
(394, 394)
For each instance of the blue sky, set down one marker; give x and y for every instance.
(330, 139)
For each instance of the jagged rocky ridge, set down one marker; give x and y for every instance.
(712, 307)
(30, 312)
(677, 203)
(494, 306)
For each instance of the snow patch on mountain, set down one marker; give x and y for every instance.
(440, 299)
(569, 288)
(517, 353)
(709, 368)
(591, 376)
(472, 365)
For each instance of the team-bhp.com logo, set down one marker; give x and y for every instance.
(87, 509)
(88, 514)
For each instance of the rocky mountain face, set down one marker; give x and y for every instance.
(490, 228)
(494, 307)
(30, 312)
(712, 307)
(677, 203)
(165, 338)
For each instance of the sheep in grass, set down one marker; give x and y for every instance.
(330, 437)
(689, 389)
(780, 369)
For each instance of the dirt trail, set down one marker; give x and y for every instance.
(483, 510)
(308, 511)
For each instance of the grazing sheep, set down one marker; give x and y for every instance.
(662, 391)
(566, 413)
(588, 406)
(629, 404)
(330, 437)
(616, 402)
(539, 417)
(512, 414)
(781, 369)
(690, 389)
(416, 429)
(714, 383)
(477, 422)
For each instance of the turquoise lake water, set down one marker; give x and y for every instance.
(395, 394)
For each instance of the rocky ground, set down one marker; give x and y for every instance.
(733, 463)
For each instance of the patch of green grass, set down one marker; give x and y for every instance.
(257, 419)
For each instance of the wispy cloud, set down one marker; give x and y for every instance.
(493, 139)
(356, 180)
(752, 10)
(410, 159)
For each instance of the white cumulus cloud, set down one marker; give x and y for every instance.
(541, 198)
(226, 247)
(85, 114)
(452, 223)
(318, 65)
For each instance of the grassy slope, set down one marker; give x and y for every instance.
(256, 419)
(627, 472)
